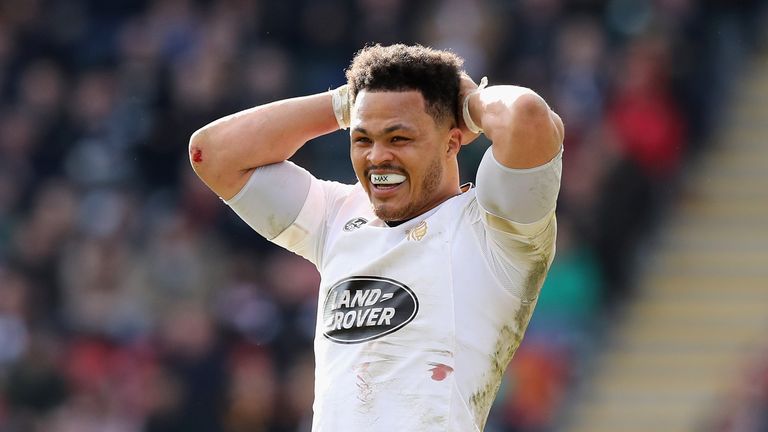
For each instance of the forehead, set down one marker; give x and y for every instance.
(380, 108)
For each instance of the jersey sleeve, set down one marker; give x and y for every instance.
(517, 208)
(289, 207)
(521, 196)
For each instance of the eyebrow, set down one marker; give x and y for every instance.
(394, 127)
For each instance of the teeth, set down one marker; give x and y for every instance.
(387, 179)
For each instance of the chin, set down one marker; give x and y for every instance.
(389, 213)
(384, 214)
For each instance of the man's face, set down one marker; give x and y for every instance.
(404, 160)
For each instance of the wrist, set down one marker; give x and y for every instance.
(467, 106)
(341, 105)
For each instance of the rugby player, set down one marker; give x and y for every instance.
(427, 285)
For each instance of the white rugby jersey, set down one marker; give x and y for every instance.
(416, 323)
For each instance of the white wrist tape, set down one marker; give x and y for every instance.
(340, 100)
(471, 125)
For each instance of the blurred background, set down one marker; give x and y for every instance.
(133, 300)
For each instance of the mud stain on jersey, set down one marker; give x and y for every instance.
(441, 352)
(364, 388)
(481, 400)
(509, 340)
(372, 372)
(428, 418)
(275, 226)
(433, 422)
(535, 279)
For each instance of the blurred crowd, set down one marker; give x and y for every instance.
(133, 300)
(744, 408)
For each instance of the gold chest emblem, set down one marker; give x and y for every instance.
(418, 232)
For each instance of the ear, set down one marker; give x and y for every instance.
(454, 141)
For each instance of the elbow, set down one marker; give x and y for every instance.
(532, 110)
(205, 161)
(202, 156)
(520, 107)
(524, 131)
(197, 146)
(530, 106)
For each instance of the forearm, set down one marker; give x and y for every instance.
(525, 133)
(224, 152)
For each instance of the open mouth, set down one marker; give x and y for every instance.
(386, 181)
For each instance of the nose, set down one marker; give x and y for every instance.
(379, 153)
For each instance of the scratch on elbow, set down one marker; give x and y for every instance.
(197, 155)
(196, 146)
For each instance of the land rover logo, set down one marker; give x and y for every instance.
(364, 308)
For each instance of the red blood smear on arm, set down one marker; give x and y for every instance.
(197, 156)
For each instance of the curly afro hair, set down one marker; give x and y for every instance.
(435, 73)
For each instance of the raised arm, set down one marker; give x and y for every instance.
(519, 177)
(525, 133)
(226, 151)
